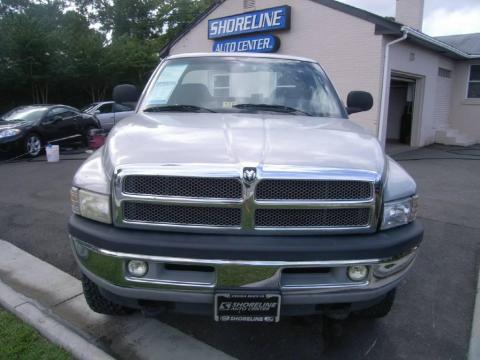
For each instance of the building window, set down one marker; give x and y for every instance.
(221, 85)
(445, 73)
(474, 82)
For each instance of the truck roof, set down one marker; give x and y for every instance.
(241, 54)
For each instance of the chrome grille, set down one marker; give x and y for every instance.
(314, 190)
(181, 186)
(181, 215)
(318, 218)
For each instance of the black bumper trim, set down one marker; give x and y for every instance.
(238, 247)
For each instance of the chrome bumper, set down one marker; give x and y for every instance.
(298, 282)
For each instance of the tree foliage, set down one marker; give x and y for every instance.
(74, 52)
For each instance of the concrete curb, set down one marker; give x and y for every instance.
(474, 349)
(52, 301)
(47, 325)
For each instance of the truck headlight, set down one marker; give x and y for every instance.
(91, 205)
(401, 212)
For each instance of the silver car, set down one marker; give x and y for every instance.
(108, 113)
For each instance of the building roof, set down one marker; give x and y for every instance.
(469, 43)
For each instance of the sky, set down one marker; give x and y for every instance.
(441, 17)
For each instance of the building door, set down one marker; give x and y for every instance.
(401, 111)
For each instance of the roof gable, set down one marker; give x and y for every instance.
(382, 25)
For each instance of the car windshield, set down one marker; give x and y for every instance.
(243, 84)
(24, 114)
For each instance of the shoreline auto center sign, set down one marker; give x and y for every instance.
(261, 21)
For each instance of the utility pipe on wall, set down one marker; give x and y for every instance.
(382, 126)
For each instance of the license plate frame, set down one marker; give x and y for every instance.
(247, 307)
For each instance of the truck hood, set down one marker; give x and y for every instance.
(241, 140)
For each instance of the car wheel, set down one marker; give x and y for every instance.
(378, 310)
(98, 303)
(33, 145)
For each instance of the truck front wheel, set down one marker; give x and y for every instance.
(378, 310)
(98, 303)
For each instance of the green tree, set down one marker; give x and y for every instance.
(120, 18)
(27, 48)
(74, 51)
(143, 19)
(176, 15)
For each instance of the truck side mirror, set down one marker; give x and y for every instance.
(125, 93)
(358, 101)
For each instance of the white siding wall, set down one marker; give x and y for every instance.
(436, 90)
(465, 114)
(344, 45)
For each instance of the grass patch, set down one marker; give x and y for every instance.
(20, 341)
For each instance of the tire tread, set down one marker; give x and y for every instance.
(98, 303)
(378, 310)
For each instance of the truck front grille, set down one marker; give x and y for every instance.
(216, 203)
(182, 186)
(181, 215)
(314, 190)
(317, 218)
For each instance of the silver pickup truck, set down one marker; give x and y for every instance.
(240, 189)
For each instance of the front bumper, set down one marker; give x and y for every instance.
(191, 278)
(11, 143)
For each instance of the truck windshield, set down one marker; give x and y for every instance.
(242, 84)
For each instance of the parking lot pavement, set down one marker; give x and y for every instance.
(34, 207)
(430, 320)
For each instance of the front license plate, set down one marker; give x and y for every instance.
(247, 307)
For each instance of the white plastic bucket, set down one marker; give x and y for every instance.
(53, 153)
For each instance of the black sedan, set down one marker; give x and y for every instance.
(30, 128)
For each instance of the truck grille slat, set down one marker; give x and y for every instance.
(313, 190)
(181, 215)
(344, 217)
(181, 186)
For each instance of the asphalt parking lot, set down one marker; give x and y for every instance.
(432, 315)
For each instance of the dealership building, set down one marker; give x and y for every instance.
(425, 89)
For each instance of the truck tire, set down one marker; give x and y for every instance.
(378, 310)
(98, 303)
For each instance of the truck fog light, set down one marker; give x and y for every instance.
(357, 272)
(82, 251)
(137, 267)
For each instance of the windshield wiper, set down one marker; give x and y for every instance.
(179, 108)
(276, 108)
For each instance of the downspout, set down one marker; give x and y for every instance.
(383, 105)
